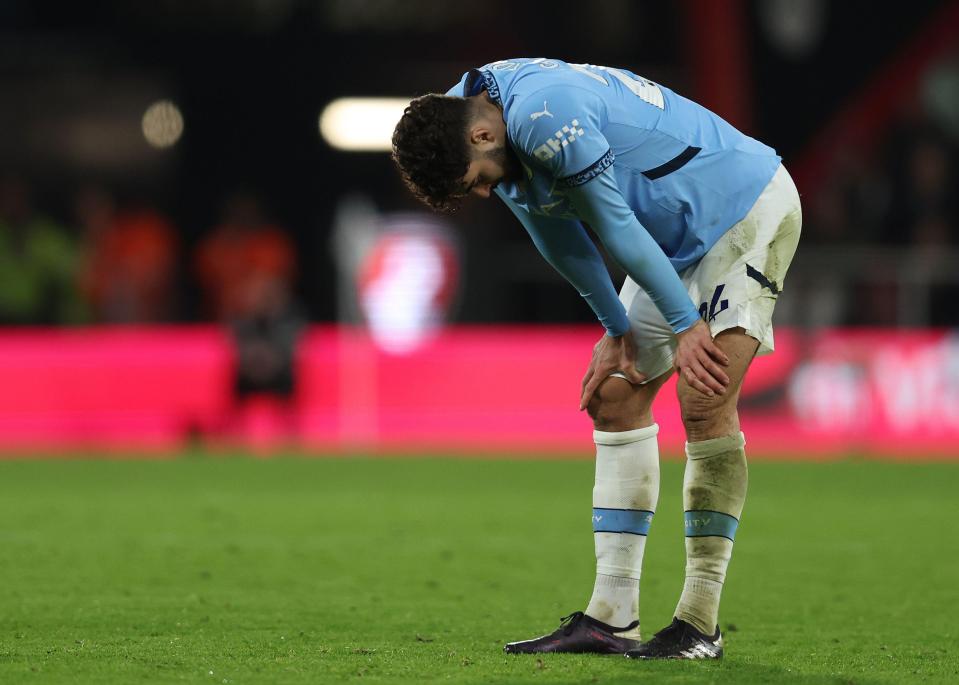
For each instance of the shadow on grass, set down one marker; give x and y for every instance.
(580, 670)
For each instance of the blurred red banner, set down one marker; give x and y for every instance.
(467, 390)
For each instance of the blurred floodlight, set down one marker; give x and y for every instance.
(162, 124)
(361, 124)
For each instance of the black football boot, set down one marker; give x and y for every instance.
(679, 640)
(579, 633)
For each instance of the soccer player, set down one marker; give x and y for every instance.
(705, 221)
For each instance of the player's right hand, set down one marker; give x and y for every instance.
(610, 354)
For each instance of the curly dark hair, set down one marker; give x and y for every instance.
(431, 151)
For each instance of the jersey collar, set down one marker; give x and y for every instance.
(478, 80)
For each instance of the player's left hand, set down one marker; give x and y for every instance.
(610, 354)
(699, 360)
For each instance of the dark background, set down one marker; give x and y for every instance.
(251, 78)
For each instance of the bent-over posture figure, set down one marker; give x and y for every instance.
(705, 221)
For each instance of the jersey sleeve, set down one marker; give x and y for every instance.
(560, 128)
(565, 244)
(599, 202)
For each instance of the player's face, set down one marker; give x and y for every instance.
(493, 160)
(490, 167)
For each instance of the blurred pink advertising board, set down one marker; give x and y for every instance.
(468, 390)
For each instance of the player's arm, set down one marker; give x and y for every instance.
(597, 200)
(565, 244)
(571, 146)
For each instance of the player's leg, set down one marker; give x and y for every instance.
(625, 493)
(624, 499)
(714, 491)
(626, 487)
(737, 284)
(714, 485)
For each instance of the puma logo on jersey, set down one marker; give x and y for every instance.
(559, 140)
(545, 113)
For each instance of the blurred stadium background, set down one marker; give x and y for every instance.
(204, 250)
(202, 237)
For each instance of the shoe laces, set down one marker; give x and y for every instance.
(677, 628)
(569, 623)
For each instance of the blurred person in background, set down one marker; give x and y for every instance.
(243, 250)
(922, 163)
(266, 340)
(38, 263)
(903, 197)
(130, 267)
(925, 206)
(246, 267)
(562, 144)
(852, 202)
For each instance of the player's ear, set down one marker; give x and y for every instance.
(481, 133)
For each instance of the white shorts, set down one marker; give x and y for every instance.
(736, 283)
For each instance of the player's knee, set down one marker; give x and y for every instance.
(706, 417)
(616, 406)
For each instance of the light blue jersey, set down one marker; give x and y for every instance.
(658, 177)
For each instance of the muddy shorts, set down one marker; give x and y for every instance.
(736, 284)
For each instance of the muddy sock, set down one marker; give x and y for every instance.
(714, 490)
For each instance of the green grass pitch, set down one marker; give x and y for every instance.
(296, 570)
